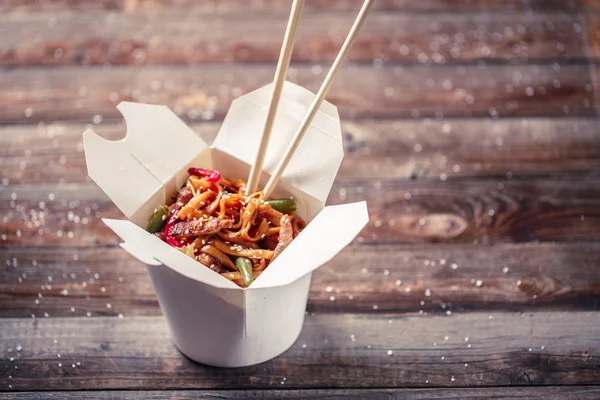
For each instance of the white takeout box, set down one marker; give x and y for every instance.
(212, 320)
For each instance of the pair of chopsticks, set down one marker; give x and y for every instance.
(280, 75)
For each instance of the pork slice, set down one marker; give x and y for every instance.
(286, 235)
(183, 196)
(209, 261)
(189, 229)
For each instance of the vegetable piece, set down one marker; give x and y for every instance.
(171, 241)
(157, 221)
(237, 277)
(285, 205)
(188, 250)
(245, 266)
(209, 174)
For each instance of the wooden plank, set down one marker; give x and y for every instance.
(314, 6)
(475, 211)
(471, 148)
(596, 73)
(593, 34)
(73, 282)
(333, 351)
(205, 92)
(373, 149)
(176, 37)
(401, 211)
(590, 5)
(500, 393)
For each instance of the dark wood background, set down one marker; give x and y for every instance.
(470, 126)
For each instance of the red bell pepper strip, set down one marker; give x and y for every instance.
(209, 174)
(166, 233)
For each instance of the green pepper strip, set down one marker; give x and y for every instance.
(245, 266)
(158, 220)
(286, 205)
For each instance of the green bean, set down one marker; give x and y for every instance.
(285, 205)
(244, 265)
(157, 221)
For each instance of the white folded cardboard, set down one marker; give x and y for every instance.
(212, 320)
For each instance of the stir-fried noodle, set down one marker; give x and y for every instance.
(214, 222)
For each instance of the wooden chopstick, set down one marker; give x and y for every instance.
(314, 107)
(280, 75)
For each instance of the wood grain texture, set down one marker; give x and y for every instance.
(401, 211)
(479, 225)
(342, 351)
(226, 6)
(73, 282)
(459, 148)
(590, 5)
(205, 92)
(513, 393)
(177, 37)
(596, 73)
(593, 34)
(475, 211)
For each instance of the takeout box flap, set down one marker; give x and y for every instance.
(157, 146)
(315, 163)
(326, 235)
(153, 251)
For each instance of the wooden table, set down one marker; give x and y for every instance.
(470, 126)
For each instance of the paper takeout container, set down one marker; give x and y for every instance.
(212, 320)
